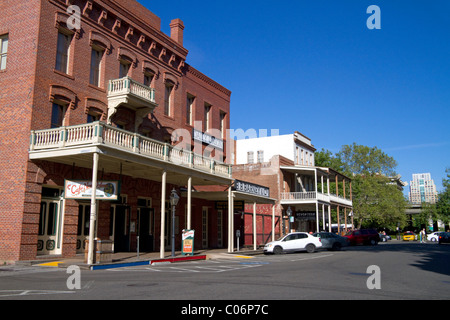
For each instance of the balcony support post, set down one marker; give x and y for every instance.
(93, 218)
(163, 214)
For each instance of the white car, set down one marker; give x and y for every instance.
(433, 237)
(298, 241)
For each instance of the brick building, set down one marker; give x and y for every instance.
(111, 101)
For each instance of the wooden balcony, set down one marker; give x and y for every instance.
(74, 144)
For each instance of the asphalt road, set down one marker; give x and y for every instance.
(402, 271)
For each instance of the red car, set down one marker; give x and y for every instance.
(363, 236)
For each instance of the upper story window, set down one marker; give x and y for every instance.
(124, 69)
(96, 61)
(190, 109)
(58, 112)
(62, 52)
(3, 51)
(168, 98)
(260, 156)
(223, 124)
(207, 117)
(250, 157)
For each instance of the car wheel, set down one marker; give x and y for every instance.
(310, 248)
(337, 246)
(373, 242)
(433, 240)
(278, 250)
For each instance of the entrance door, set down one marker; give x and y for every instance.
(121, 234)
(205, 242)
(84, 214)
(49, 236)
(145, 229)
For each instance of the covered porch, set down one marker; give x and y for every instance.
(109, 151)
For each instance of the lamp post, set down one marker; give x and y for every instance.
(174, 198)
(289, 213)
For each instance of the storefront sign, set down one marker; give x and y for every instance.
(208, 139)
(82, 190)
(250, 188)
(223, 205)
(306, 216)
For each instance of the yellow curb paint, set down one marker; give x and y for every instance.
(50, 264)
(243, 257)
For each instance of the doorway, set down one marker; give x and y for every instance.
(145, 229)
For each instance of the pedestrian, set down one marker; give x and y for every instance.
(422, 236)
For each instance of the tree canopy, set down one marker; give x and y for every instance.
(376, 202)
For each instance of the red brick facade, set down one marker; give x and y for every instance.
(124, 31)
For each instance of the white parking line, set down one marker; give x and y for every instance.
(312, 258)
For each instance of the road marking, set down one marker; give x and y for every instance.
(312, 258)
(16, 293)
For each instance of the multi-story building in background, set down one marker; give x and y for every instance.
(422, 189)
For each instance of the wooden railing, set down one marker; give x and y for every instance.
(101, 133)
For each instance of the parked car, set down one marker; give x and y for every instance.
(409, 236)
(444, 237)
(363, 236)
(384, 237)
(434, 237)
(331, 241)
(297, 241)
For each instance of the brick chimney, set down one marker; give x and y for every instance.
(176, 30)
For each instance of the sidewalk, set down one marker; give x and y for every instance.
(129, 259)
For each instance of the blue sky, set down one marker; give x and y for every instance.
(315, 67)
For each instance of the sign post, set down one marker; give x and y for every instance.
(187, 246)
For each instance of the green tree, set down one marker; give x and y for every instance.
(376, 202)
(443, 204)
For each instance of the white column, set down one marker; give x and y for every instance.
(323, 217)
(230, 229)
(273, 222)
(317, 216)
(93, 218)
(329, 218)
(254, 226)
(163, 213)
(189, 204)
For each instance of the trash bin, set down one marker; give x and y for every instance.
(102, 251)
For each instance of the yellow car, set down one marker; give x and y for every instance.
(409, 236)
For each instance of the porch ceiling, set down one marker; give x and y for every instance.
(238, 196)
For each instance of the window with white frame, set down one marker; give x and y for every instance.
(3, 51)
(260, 156)
(250, 157)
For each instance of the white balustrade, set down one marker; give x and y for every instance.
(101, 133)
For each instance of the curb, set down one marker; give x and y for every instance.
(116, 265)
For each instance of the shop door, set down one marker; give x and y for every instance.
(121, 232)
(84, 214)
(205, 233)
(145, 229)
(49, 235)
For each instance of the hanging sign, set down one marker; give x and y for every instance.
(208, 139)
(251, 188)
(82, 190)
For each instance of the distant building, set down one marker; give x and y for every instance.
(422, 189)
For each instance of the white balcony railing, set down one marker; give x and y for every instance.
(124, 86)
(299, 197)
(103, 134)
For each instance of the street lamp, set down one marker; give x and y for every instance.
(174, 198)
(289, 213)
